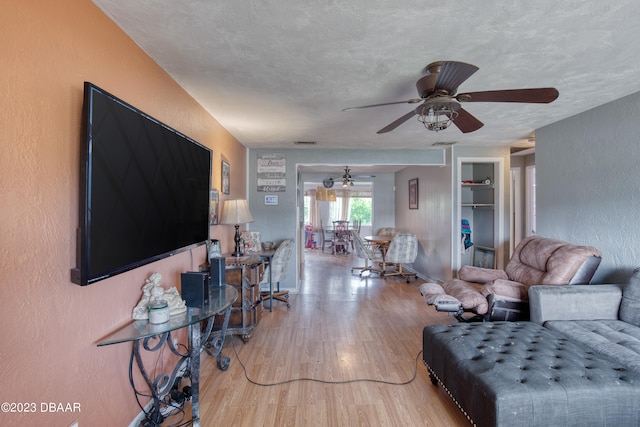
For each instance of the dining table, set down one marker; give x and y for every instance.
(380, 243)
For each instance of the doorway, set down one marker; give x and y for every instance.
(530, 224)
(321, 207)
(515, 218)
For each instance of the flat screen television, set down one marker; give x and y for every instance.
(144, 189)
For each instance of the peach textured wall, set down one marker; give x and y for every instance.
(49, 325)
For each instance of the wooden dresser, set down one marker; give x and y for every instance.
(245, 274)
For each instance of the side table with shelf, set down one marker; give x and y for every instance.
(153, 337)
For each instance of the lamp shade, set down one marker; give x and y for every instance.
(322, 194)
(236, 212)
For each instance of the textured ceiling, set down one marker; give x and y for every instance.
(277, 71)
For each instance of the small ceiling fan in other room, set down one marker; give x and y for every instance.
(440, 106)
(346, 178)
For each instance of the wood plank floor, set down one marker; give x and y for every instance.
(339, 328)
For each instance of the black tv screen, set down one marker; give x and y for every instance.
(144, 189)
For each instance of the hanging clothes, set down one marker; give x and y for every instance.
(466, 234)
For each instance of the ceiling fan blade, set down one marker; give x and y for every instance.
(409, 101)
(467, 122)
(444, 76)
(543, 95)
(452, 74)
(397, 122)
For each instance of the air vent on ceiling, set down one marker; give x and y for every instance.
(305, 143)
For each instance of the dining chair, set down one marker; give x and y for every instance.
(327, 238)
(402, 250)
(387, 231)
(278, 270)
(357, 225)
(365, 252)
(341, 237)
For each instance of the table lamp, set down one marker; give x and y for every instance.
(236, 212)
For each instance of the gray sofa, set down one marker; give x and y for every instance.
(576, 363)
(605, 318)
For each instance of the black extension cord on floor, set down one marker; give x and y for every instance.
(246, 375)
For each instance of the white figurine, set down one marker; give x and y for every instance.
(176, 304)
(153, 290)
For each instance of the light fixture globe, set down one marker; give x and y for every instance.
(347, 179)
(437, 113)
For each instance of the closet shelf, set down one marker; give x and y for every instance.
(478, 186)
(478, 205)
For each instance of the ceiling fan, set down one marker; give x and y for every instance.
(440, 106)
(347, 178)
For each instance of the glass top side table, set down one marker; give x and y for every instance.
(153, 337)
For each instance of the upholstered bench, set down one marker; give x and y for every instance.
(522, 374)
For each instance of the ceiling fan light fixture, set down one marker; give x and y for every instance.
(346, 178)
(437, 117)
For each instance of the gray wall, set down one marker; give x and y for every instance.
(587, 184)
(384, 202)
(432, 221)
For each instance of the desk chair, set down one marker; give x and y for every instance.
(278, 269)
(365, 252)
(403, 249)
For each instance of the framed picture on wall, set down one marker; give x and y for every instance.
(484, 257)
(213, 210)
(271, 200)
(226, 177)
(413, 193)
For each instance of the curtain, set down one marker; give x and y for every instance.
(313, 209)
(344, 211)
(314, 214)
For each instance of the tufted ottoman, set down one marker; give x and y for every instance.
(522, 374)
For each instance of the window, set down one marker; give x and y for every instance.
(361, 209)
(307, 204)
(358, 205)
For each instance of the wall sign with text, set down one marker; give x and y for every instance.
(272, 173)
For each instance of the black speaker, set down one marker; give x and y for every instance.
(217, 270)
(195, 288)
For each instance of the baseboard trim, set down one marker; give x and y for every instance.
(419, 275)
